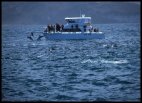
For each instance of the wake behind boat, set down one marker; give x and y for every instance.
(75, 28)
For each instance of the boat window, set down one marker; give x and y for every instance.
(87, 20)
(70, 21)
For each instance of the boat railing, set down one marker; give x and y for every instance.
(87, 32)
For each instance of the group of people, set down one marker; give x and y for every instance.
(54, 28)
(60, 28)
(91, 29)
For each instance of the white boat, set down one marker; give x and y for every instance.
(75, 28)
(74, 35)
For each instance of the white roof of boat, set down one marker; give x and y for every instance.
(78, 18)
(81, 17)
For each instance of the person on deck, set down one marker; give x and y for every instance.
(49, 28)
(62, 27)
(52, 28)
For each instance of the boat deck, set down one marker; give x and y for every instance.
(73, 32)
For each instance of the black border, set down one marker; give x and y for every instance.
(66, 1)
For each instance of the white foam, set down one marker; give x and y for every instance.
(104, 45)
(33, 44)
(88, 61)
(115, 62)
(105, 61)
(40, 55)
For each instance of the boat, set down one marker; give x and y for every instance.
(76, 28)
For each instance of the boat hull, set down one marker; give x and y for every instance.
(73, 35)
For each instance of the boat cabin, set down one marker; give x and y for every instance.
(75, 24)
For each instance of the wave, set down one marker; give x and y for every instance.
(115, 62)
(105, 61)
(88, 61)
(40, 55)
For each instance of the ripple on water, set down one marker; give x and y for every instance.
(83, 70)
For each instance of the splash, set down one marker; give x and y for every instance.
(40, 56)
(115, 62)
(105, 61)
(88, 61)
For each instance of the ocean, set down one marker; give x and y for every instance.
(71, 70)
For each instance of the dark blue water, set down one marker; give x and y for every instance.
(73, 70)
